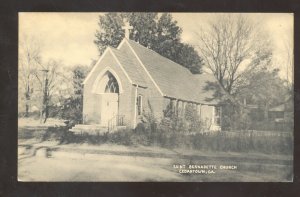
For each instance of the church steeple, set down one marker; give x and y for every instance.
(127, 28)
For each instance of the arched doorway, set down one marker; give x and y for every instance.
(109, 90)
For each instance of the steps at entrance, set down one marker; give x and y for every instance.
(89, 129)
(94, 129)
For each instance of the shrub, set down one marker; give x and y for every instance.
(182, 121)
(240, 141)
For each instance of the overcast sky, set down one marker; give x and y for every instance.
(69, 36)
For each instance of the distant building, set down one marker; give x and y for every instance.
(283, 112)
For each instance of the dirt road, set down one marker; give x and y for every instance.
(52, 162)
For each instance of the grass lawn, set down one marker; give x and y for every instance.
(36, 122)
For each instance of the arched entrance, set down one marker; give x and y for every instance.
(109, 90)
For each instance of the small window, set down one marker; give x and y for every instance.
(217, 115)
(139, 104)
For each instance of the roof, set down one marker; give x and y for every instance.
(172, 79)
(287, 106)
(278, 108)
(209, 90)
(131, 65)
(176, 81)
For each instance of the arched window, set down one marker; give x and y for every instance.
(107, 82)
(112, 84)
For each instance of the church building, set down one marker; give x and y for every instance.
(131, 80)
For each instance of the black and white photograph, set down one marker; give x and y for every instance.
(155, 97)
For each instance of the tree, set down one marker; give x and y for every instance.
(231, 47)
(264, 87)
(79, 73)
(289, 62)
(159, 33)
(29, 59)
(239, 54)
(38, 81)
(72, 106)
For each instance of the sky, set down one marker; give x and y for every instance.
(69, 36)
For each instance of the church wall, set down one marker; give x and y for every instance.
(151, 99)
(90, 104)
(207, 114)
(151, 95)
(157, 105)
(92, 101)
(126, 105)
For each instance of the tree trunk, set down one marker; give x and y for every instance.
(27, 100)
(266, 111)
(46, 113)
(45, 101)
(44, 106)
(26, 109)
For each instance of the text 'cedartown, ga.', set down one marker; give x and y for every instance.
(202, 169)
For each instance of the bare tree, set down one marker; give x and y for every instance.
(289, 61)
(232, 46)
(29, 58)
(39, 80)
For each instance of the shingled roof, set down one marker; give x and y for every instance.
(172, 79)
(131, 65)
(176, 81)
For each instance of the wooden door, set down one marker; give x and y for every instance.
(109, 107)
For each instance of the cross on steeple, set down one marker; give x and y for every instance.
(127, 27)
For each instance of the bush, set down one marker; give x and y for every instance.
(214, 141)
(241, 141)
(217, 141)
(70, 110)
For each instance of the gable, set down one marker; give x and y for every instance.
(107, 59)
(125, 64)
(126, 47)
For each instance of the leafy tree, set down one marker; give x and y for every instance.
(159, 33)
(79, 73)
(264, 87)
(72, 106)
(144, 28)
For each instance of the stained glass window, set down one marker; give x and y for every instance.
(112, 84)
